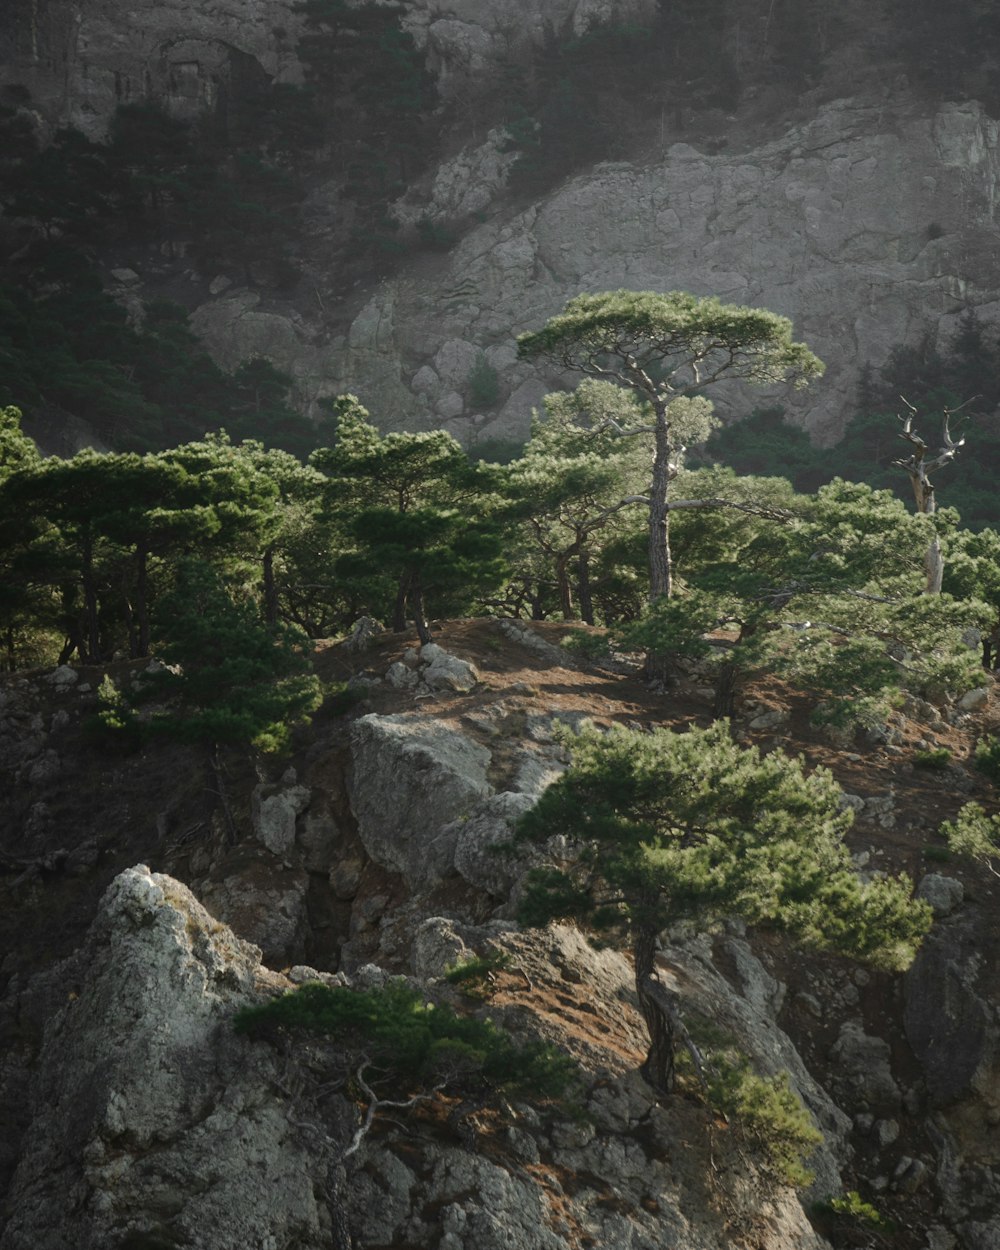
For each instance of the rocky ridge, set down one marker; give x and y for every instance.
(368, 856)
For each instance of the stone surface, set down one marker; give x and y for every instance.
(412, 779)
(863, 1066)
(274, 811)
(974, 700)
(446, 672)
(478, 839)
(154, 1123)
(948, 1023)
(943, 893)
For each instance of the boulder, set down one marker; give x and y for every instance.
(274, 812)
(943, 893)
(478, 839)
(154, 1124)
(446, 672)
(412, 779)
(974, 700)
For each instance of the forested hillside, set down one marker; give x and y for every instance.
(499, 606)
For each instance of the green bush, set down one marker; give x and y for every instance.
(986, 757)
(482, 386)
(765, 1109)
(475, 976)
(936, 759)
(770, 1113)
(586, 645)
(413, 1043)
(851, 1215)
(937, 854)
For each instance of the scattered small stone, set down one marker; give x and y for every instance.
(886, 1132)
(909, 1175)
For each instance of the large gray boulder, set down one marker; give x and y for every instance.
(412, 780)
(153, 1123)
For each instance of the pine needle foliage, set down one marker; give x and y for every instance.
(234, 680)
(670, 826)
(412, 1043)
(649, 829)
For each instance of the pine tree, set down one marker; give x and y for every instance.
(418, 513)
(663, 827)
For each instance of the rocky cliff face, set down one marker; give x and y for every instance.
(140, 1119)
(863, 210)
(869, 224)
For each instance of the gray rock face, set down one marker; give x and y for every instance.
(412, 778)
(179, 54)
(154, 1123)
(478, 857)
(863, 1064)
(948, 1023)
(274, 811)
(892, 203)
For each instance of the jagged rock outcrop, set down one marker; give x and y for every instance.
(153, 1123)
(868, 218)
(868, 224)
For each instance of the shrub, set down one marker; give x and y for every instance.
(936, 759)
(850, 1215)
(412, 1043)
(987, 757)
(586, 645)
(765, 1109)
(973, 833)
(475, 976)
(482, 386)
(768, 1111)
(937, 854)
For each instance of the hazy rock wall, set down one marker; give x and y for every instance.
(81, 58)
(868, 222)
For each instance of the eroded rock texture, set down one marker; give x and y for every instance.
(151, 1118)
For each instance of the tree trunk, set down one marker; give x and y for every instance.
(583, 587)
(657, 667)
(215, 758)
(142, 601)
(270, 590)
(726, 687)
(417, 604)
(565, 593)
(934, 567)
(658, 1069)
(399, 608)
(90, 601)
(660, 571)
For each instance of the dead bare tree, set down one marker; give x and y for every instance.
(920, 466)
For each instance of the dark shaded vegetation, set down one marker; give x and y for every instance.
(403, 1041)
(964, 375)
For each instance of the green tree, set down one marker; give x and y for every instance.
(237, 682)
(573, 481)
(666, 348)
(666, 826)
(417, 512)
(27, 608)
(831, 596)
